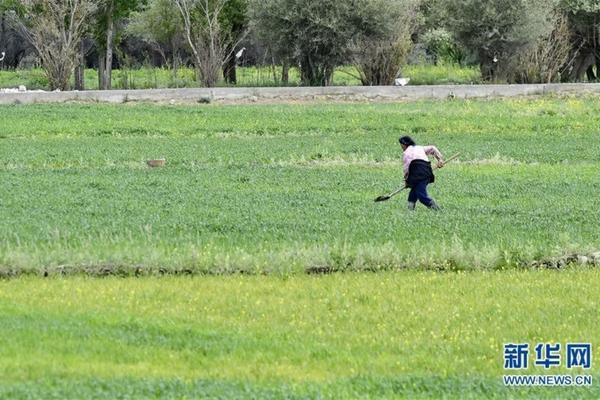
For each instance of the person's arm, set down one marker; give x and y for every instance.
(406, 159)
(433, 151)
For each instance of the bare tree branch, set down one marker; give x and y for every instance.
(210, 45)
(54, 28)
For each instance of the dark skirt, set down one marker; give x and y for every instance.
(419, 171)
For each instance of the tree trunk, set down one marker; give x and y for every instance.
(307, 74)
(274, 70)
(107, 79)
(229, 69)
(328, 75)
(80, 69)
(3, 34)
(101, 65)
(175, 55)
(584, 60)
(198, 74)
(590, 74)
(315, 74)
(233, 71)
(285, 72)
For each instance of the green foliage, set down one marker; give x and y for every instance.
(497, 30)
(112, 11)
(441, 44)
(576, 6)
(12, 5)
(54, 30)
(433, 14)
(158, 21)
(315, 33)
(159, 25)
(234, 17)
(213, 30)
(381, 47)
(319, 35)
(544, 60)
(582, 18)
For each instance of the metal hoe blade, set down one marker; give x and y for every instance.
(382, 198)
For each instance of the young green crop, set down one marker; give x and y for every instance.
(285, 188)
(279, 190)
(387, 335)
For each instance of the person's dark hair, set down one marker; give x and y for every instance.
(407, 141)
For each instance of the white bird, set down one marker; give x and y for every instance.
(240, 53)
(3, 54)
(401, 81)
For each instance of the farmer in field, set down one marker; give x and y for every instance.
(417, 171)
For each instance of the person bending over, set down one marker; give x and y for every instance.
(418, 172)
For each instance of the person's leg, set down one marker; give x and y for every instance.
(423, 196)
(412, 199)
(434, 206)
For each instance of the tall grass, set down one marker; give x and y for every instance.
(153, 78)
(442, 75)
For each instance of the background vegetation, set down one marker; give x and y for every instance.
(154, 77)
(305, 42)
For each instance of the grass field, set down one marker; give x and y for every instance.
(286, 188)
(254, 196)
(151, 78)
(386, 335)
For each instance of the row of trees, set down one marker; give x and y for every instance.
(522, 41)
(516, 41)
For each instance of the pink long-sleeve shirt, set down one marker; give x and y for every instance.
(419, 153)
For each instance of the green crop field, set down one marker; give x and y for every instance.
(205, 291)
(355, 335)
(287, 188)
